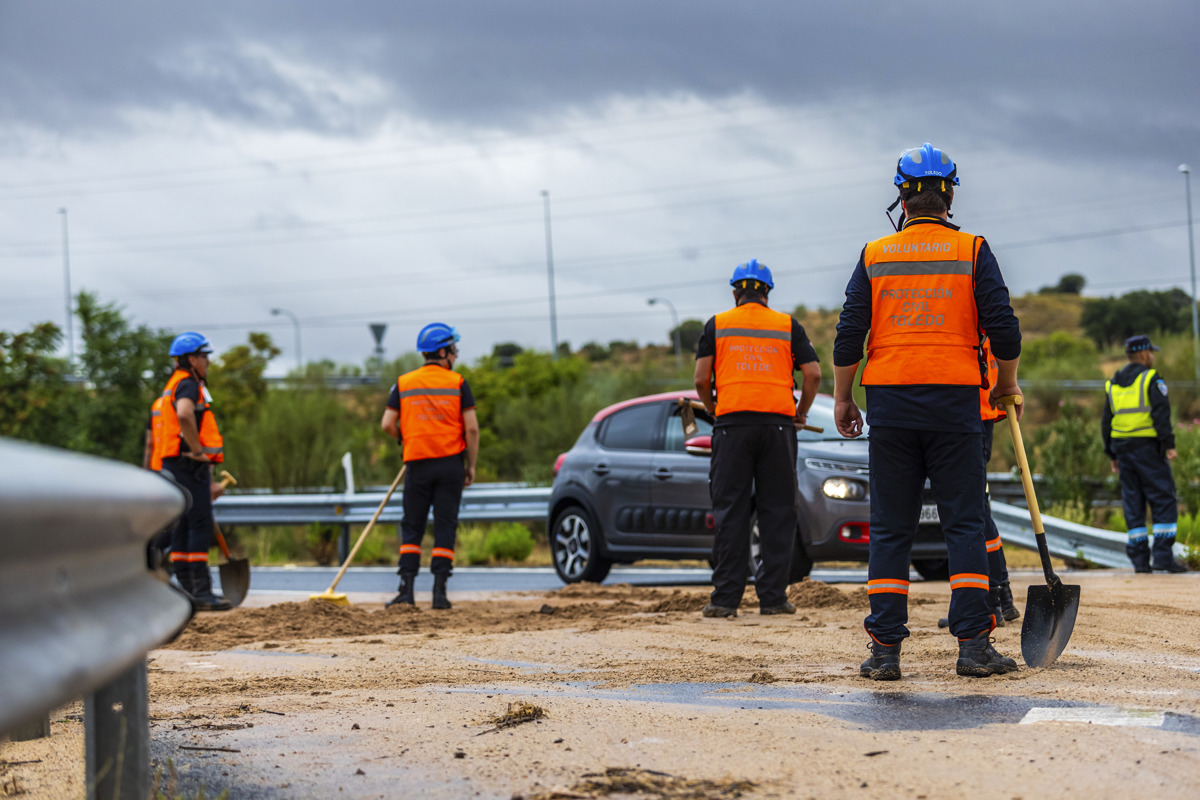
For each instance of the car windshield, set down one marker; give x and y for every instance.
(821, 416)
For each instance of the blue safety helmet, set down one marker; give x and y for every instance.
(925, 162)
(752, 271)
(435, 336)
(190, 342)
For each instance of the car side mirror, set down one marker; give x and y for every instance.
(699, 445)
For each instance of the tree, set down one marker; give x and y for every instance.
(1111, 320)
(35, 399)
(125, 368)
(237, 378)
(1071, 283)
(689, 334)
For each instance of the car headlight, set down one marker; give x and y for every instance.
(843, 489)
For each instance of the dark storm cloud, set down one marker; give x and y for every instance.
(65, 65)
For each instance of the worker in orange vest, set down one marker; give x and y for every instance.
(926, 295)
(752, 351)
(189, 443)
(431, 412)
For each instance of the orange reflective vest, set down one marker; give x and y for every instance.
(431, 423)
(167, 442)
(753, 363)
(924, 324)
(986, 412)
(156, 423)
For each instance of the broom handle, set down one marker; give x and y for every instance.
(1010, 403)
(362, 536)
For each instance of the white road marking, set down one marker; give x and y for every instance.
(1128, 717)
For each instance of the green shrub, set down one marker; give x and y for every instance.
(1069, 455)
(509, 541)
(470, 547)
(1186, 466)
(1071, 511)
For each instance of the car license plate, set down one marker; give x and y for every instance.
(929, 514)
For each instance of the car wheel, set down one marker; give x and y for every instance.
(801, 564)
(933, 569)
(575, 546)
(755, 547)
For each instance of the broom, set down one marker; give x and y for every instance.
(340, 599)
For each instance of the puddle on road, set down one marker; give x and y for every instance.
(878, 711)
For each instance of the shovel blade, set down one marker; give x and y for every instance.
(1049, 619)
(235, 580)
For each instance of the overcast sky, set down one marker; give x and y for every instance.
(383, 162)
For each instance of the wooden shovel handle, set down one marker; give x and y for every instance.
(1035, 514)
(227, 480)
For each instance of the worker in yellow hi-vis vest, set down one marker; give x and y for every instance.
(1136, 427)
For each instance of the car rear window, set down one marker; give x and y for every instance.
(633, 428)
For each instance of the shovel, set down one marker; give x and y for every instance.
(338, 599)
(687, 416)
(235, 572)
(1050, 610)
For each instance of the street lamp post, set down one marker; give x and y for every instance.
(1187, 180)
(67, 289)
(550, 274)
(275, 312)
(675, 324)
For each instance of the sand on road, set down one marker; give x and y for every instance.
(636, 691)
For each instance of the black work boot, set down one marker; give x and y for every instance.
(994, 605)
(1164, 555)
(405, 592)
(202, 596)
(785, 607)
(978, 659)
(1007, 607)
(884, 663)
(712, 610)
(440, 601)
(1139, 556)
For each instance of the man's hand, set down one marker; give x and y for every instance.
(1171, 454)
(198, 457)
(470, 477)
(1115, 468)
(848, 418)
(800, 421)
(216, 489)
(1004, 391)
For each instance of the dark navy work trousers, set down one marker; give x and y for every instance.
(436, 482)
(1146, 478)
(753, 468)
(901, 460)
(193, 534)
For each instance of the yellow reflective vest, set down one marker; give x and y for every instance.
(1130, 406)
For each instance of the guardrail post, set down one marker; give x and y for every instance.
(117, 722)
(38, 729)
(343, 544)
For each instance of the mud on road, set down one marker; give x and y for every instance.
(635, 692)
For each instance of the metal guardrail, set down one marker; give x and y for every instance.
(79, 608)
(505, 502)
(1063, 539)
(481, 503)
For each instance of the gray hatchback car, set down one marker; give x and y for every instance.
(635, 487)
